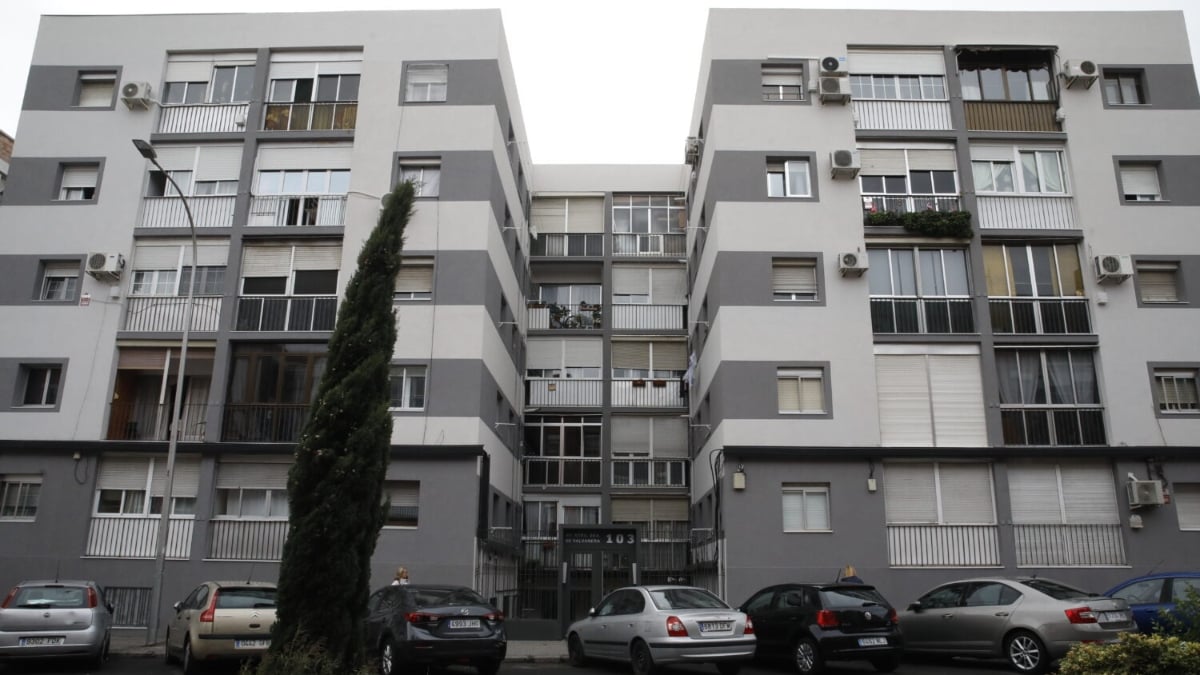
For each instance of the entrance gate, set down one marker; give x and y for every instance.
(611, 550)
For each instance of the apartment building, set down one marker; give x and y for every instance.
(916, 300)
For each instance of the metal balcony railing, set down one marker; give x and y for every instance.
(910, 203)
(922, 315)
(297, 211)
(247, 539)
(137, 536)
(564, 392)
(264, 422)
(1069, 545)
(1053, 425)
(562, 471)
(150, 421)
(310, 116)
(649, 317)
(544, 316)
(702, 547)
(203, 118)
(164, 313)
(568, 245)
(649, 472)
(299, 313)
(207, 211)
(1048, 316)
(921, 115)
(1026, 212)
(648, 394)
(943, 545)
(665, 245)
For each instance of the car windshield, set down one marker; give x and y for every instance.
(442, 597)
(245, 598)
(49, 597)
(686, 598)
(1055, 590)
(836, 598)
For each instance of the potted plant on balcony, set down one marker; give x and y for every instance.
(660, 383)
(639, 382)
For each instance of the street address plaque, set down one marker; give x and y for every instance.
(605, 537)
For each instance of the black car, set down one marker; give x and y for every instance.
(413, 627)
(814, 623)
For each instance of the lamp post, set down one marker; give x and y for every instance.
(164, 520)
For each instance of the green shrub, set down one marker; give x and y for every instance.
(929, 223)
(303, 658)
(1185, 621)
(1134, 654)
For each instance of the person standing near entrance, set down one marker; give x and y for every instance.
(401, 578)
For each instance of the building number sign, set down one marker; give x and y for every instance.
(604, 537)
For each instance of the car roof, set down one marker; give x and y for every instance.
(819, 585)
(243, 584)
(57, 582)
(1161, 575)
(429, 587)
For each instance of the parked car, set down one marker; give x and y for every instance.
(1030, 622)
(46, 619)
(1154, 593)
(652, 626)
(221, 621)
(419, 625)
(814, 623)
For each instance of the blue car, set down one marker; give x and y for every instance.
(1150, 594)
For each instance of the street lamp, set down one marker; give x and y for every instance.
(164, 518)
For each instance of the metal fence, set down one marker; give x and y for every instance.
(131, 605)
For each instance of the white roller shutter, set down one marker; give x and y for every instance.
(956, 391)
(404, 493)
(166, 256)
(794, 276)
(627, 354)
(293, 71)
(219, 162)
(670, 437)
(1089, 495)
(415, 276)
(1186, 497)
(1158, 285)
(122, 473)
(548, 214)
(632, 510)
(932, 160)
(187, 477)
(668, 286)
(880, 162)
(189, 71)
(262, 261)
(630, 434)
(993, 153)
(299, 158)
(318, 258)
(585, 214)
(895, 62)
(262, 475)
(904, 406)
(966, 491)
(583, 353)
(143, 358)
(631, 280)
(670, 356)
(544, 353)
(79, 176)
(1033, 491)
(1139, 180)
(62, 269)
(909, 493)
(177, 157)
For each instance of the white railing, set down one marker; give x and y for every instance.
(647, 394)
(1069, 545)
(1026, 213)
(207, 210)
(247, 539)
(943, 546)
(931, 115)
(136, 536)
(564, 392)
(204, 118)
(649, 472)
(297, 211)
(673, 245)
(165, 313)
(650, 317)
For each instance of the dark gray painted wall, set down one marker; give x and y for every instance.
(746, 390)
(12, 383)
(1166, 86)
(24, 273)
(739, 82)
(1186, 279)
(57, 87)
(467, 176)
(741, 176)
(1178, 176)
(460, 388)
(34, 181)
(743, 279)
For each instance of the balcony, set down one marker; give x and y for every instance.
(286, 313)
(1069, 545)
(207, 211)
(1012, 116)
(297, 211)
(544, 316)
(203, 118)
(137, 536)
(649, 317)
(247, 539)
(165, 313)
(1026, 212)
(1055, 316)
(562, 392)
(1053, 425)
(909, 203)
(562, 245)
(660, 473)
(921, 315)
(264, 422)
(309, 116)
(650, 245)
(943, 545)
(648, 394)
(150, 421)
(906, 115)
(562, 472)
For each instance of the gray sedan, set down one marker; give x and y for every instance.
(45, 619)
(1030, 622)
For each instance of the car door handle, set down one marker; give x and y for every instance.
(1001, 613)
(947, 616)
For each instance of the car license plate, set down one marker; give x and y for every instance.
(1113, 616)
(251, 644)
(464, 623)
(872, 642)
(715, 626)
(42, 641)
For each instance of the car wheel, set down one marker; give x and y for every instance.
(807, 657)
(167, 655)
(488, 667)
(729, 668)
(190, 666)
(575, 654)
(1026, 653)
(641, 659)
(387, 658)
(97, 661)
(886, 664)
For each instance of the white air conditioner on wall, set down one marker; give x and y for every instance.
(1113, 268)
(852, 264)
(105, 266)
(1080, 73)
(136, 95)
(691, 150)
(1145, 493)
(844, 163)
(834, 88)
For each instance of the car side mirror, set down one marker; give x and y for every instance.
(177, 605)
(915, 606)
(592, 612)
(111, 608)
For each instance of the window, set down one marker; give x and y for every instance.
(933, 398)
(1006, 75)
(210, 281)
(408, 387)
(426, 177)
(788, 178)
(641, 359)
(805, 508)
(122, 484)
(1124, 88)
(1186, 497)
(252, 503)
(1175, 390)
(918, 290)
(77, 182)
(899, 87)
(1158, 282)
(801, 390)
(96, 90)
(184, 93)
(1049, 397)
(426, 83)
(1042, 270)
(1032, 172)
(414, 281)
(312, 181)
(1051, 501)
(60, 281)
(232, 84)
(19, 496)
(41, 384)
(794, 280)
(541, 519)
(938, 493)
(783, 82)
(902, 180)
(404, 503)
(1139, 182)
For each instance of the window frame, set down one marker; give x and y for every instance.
(20, 487)
(1176, 372)
(1120, 77)
(801, 491)
(430, 88)
(90, 78)
(801, 373)
(784, 70)
(812, 262)
(421, 263)
(408, 384)
(783, 168)
(388, 486)
(939, 500)
(240, 72)
(407, 167)
(269, 499)
(52, 270)
(1133, 198)
(1016, 170)
(859, 82)
(1164, 268)
(51, 387)
(78, 194)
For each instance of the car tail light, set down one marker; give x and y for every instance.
(675, 627)
(92, 599)
(892, 617)
(827, 619)
(1081, 615)
(494, 616)
(749, 627)
(8, 598)
(210, 612)
(422, 617)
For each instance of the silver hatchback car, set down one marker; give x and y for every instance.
(49, 619)
(1030, 622)
(650, 626)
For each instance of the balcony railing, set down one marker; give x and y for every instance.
(649, 317)
(145, 421)
(297, 211)
(136, 537)
(1027, 212)
(565, 317)
(665, 245)
(702, 547)
(165, 313)
(562, 471)
(922, 315)
(203, 118)
(569, 245)
(563, 392)
(286, 313)
(1058, 425)
(310, 116)
(648, 394)
(943, 546)
(207, 211)
(1054, 316)
(264, 422)
(247, 539)
(1069, 545)
(910, 203)
(922, 115)
(650, 472)
(1011, 115)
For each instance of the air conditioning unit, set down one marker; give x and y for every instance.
(831, 64)
(105, 266)
(691, 151)
(852, 264)
(834, 88)
(1113, 268)
(136, 95)
(844, 163)
(1080, 73)
(1145, 493)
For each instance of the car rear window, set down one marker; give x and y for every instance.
(49, 597)
(686, 598)
(1055, 590)
(245, 598)
(834, 598)
(442, 597)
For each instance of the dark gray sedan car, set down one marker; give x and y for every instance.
(412, 627)
(50, 619)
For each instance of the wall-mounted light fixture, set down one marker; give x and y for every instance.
(739, 478)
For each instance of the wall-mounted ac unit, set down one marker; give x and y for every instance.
(136, 95)
(105, 266)
(1145, 492)
(831, 64)
(691, 151)
(1080, 74)
(834, 88)
(1113, 268)
(852, 264)
(844, 163)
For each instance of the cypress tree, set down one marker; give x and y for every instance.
(335, 486)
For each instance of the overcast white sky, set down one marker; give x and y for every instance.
(587, 97)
